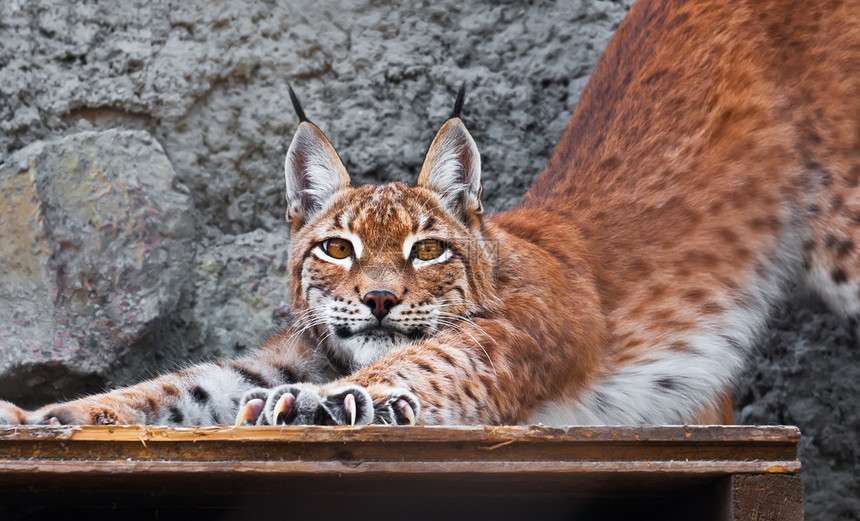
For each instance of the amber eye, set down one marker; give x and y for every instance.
(429, 249)
(337, 248)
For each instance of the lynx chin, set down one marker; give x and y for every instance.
(701, 172)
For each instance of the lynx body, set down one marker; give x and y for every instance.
(713, 158)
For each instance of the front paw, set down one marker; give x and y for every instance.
(86, 411)
(306, 404)
(394, 405)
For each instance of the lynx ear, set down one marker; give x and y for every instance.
(452, 169)
(312, 169)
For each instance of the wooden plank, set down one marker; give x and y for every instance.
(645, 433)
(375, 443)
(709, 468)
(650, 472)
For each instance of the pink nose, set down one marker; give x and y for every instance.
(379, 302)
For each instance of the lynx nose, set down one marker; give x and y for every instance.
(379, 302)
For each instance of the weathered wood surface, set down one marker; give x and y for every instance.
(552, 469)
(754, 449)
(764, 498)
(682, 434)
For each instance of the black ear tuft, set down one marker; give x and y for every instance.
(298, 106)
(458, 105)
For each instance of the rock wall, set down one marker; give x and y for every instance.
(97, 238)
(165, 124)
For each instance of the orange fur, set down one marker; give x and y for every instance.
(715, 145)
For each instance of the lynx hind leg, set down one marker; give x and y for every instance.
(831, 254)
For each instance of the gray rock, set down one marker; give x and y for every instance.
(242, 291)
(97, 241)
(210, 81)
(806, 372)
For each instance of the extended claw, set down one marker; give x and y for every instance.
(349, 406)
(406, 410)
(283, 406)
(250, 412)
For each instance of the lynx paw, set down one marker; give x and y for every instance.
(304, 404)
(251, 407)
(62, 414)
(395, 406)
(11, 414)
(86, 411)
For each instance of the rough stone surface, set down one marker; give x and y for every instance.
(807, 373)
(207, 80)
(97, 240)
(241, 291)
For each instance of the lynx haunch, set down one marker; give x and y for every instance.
(713, 158)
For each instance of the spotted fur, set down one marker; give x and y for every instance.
(713, 158)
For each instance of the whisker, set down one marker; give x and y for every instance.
(479, 328)
(463, 330)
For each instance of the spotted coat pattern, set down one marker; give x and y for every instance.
(713, 158)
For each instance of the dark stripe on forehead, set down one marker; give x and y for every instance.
(336, 223)
(429, 223)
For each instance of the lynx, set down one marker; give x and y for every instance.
(713, 158)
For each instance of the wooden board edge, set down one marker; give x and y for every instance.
(717, 467)
(371, 433)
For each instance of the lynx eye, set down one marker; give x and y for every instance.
(337, 248)
(429, 249)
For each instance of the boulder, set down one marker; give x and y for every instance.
(98, 240)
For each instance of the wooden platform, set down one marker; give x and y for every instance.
(659, 472)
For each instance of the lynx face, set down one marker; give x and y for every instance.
(378, 266)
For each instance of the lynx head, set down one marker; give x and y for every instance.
(374, 267)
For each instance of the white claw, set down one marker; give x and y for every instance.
(249, 412)
(241, 416)
(406, 411)
(349, 405)
(283, 406)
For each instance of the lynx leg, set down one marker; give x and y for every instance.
(831, 253)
